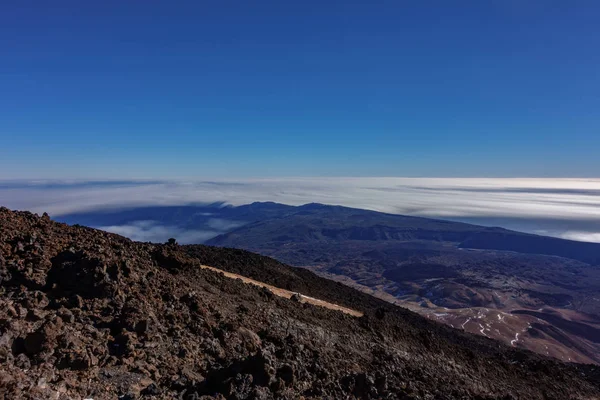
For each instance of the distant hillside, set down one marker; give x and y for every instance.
(534, 244)
(321, 222)
(484, 280)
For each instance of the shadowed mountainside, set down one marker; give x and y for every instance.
(336, 223)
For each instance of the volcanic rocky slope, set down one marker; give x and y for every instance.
(88, 314)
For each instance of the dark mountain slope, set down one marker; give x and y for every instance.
(87, 314)
(318, 222)
(304, 281)
(279, 222)
(534, 244)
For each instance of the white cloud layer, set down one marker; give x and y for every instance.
(581, 236)
(151, 231)
(154, 231)
(572, 201)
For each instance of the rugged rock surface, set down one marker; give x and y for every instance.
(88, 314)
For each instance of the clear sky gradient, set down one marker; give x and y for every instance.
(123, 89)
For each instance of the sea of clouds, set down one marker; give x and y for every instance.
(568, 208)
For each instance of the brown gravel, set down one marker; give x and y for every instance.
(88, 314)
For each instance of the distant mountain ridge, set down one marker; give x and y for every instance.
(361, 225)
(372, 225)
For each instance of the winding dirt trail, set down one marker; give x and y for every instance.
(287, 293)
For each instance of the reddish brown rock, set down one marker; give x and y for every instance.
(88, 314)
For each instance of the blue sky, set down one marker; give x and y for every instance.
(121, 89)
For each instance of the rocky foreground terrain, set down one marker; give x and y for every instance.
(88, 314)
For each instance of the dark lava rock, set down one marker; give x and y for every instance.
(89, 314)
(287, 374)
(34, 342)
(151, 390)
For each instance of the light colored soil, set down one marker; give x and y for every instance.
(287, 293)
(499, 324)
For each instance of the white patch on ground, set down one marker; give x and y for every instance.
(515, 340)
(482, 330)
(464, 323)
